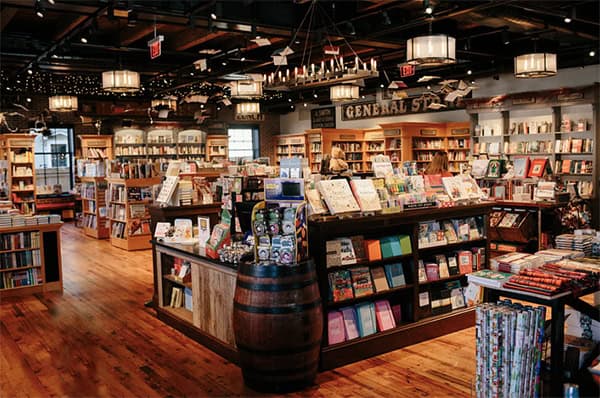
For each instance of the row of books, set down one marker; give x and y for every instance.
(568, 166)
(22, 171)
(21, 157)
(138, 227)
(91, 167)
(162, 150)
(20, 240)
(361, 320)
(431, 143)
(96, 153)
(91, 221)
(19, 220)
(349, 146)
(181, 297)
(442, 299)
(130, 150)
(505, 219)
(25, 258)
(515, 262)
(362, 281)
(191, 150)
(444, 266)
(29, 277)
(530, 127)
(574, 145)
(117, 212)
(458, 143)
(139, 169)
(344, 251)
(581, 243)
(436, 233)
(454, 156)
(118, 230)
(88, 191)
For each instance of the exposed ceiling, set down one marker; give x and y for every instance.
(489, 34)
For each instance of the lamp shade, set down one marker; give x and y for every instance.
(535, 65)
(343, 92)
(247, 108)
(164, 103)
(120, 81)
(431, 50)
(246, 89)
(62, 103)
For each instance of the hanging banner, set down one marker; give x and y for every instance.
(406, 106)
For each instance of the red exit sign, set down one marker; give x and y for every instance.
(407, 70)
(155, 46)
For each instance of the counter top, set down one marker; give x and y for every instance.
(191, 251)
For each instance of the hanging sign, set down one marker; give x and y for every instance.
(155, 46)
(407, 70)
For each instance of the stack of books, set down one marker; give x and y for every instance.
(581, 243)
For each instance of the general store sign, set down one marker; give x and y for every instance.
(406, 106)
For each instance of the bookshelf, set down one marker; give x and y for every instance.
(418, 323)
(161, 143)
(217, 147)
(314, 149)
(21, 170)
(374, 144)
(93, 203)
(290, 146)
(130, 143)
(560, 126)
(393, 145)
(30, 260)
(95, 147)
(191, 144)
(127, 211)
(4, 171)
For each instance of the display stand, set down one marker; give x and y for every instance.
(128, 212)
(45, 245)
(217, 148)
(191, 144)
(21, 170)
(96, 146)
(93, 199)
(417, 324)
(289, 146)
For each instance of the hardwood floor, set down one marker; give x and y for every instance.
(98, 339)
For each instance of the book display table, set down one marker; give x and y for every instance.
(557, 304)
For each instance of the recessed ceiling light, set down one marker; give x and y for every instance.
(191, 73)
(428, 10)
(201, 106)
(30, 71)
(428, 87)
(213, 16)
(362, 96)
(305, 104)
(297, 42)
(469, 72)
(568, 20)
(224, 63)
(289, 100)
(592, 53)
(316, 95)
(28, 99)
(382, 85)
(83, 40)
(39, 13)
(51, 2)
(18, 81)
(243, 59)
(257, 37)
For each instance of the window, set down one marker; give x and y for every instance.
(243, 143)
(54, 160)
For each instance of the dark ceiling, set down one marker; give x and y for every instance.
(488, 33)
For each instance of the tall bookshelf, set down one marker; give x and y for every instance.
(217, 147)
(96, 146)
(93, 203)
(191, 144)
(21, 170)
(30, 260)
(290, 146)
(393, 145)
(130, 143)
(374, 144)
(128, 215)
(161, 143)
(314, 149)
(4, 171)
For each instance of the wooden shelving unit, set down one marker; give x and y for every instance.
(191, 144)
(96, 146)
(290, 146)
(40, 263)
(19, 150)
(93, 202)
(374, 144)
(130, 143)
(417, 324)
(314, 146)
(129, 219)
(161, 143)
(393, 145)
(217, 147)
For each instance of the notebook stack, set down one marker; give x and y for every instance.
(580, 243)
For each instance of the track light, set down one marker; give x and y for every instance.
(505, 37)
(469, 72)
(567, 19)
(29, 71)
(315, 95)
(83, 40)
(39, 10)
(213, 16)
(427, 7)
(51, 2)
(592, 53)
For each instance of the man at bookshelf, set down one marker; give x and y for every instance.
(439, 165)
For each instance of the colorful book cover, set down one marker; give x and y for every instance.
(361, 281)
(521, 167)
(405, 245)
(379, 279)
(358, 244)
(335, 327)
(450, 232)
(366, 319)
(338, 196)
(465, 261)
(350, 323)
(433, 271)
(538, 167)
(366, 195)
(395, 274)
(340, 284)
(347, 251)
(455, 188)
(390, 246)
(453, 265)
(373, 249)
(422, 273)
(397, 312)
(442, 266)
(333, 253)
(384, 315)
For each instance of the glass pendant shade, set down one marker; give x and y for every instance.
(431, 50)
(343, 92)
(62, 103)
(535, 65)
(247, 108)
(120, 81)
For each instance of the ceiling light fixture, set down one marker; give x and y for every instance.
(592, 53)
(120, 81)
(39, 11)
(213, 16)
(83, 40)
(246, 89)
(62, 103)
(167, 103)
(505, 37)
(343, 92)
(29, 71)
(535, 65)
(247, 108)
(28, 99)
(427, 7)
(469, 72)
(51, 2)
(567, 19)
(431, 50)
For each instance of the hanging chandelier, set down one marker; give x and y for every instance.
(343, 92)
(247, 108)
(62, 103)
(431, 50)
(120, 81)
(165, 103)
(535, 65)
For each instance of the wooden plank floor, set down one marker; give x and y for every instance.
(98, 339)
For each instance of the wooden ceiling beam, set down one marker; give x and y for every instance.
(199, 39)
(6, 15)
(68, 26)
(139, 32)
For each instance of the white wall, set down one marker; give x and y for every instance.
(507, 83)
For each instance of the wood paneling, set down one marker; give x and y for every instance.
(98, 339)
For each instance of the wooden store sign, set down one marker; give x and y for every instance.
(404, 106)
(260, 117)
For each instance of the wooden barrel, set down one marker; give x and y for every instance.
(278, 325)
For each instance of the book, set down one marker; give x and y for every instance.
(335, 327)
(457, 298)
(395, 275)
(350, 322)
(494, 169)
(405, 245)
(390, 246)
(361, 281)
(449, 231)
(479, 167)
(433, 272)
(442, 266)
(347, 251)
(465, 261)
(454, 188)
(453, 268)
(373, 249)
(521, 167)
(422, 273)
(538, 167)
(358, 244)
(340, 284)
(384, 315)
(488, 278)
(338, 196)
(333, 253)
(397, 312)
(379, 279)
(366, 319)
(434, 183)
(314, 200)
(366, 195)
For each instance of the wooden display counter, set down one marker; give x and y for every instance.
(210, 321)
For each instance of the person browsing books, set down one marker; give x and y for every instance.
(439, 165)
